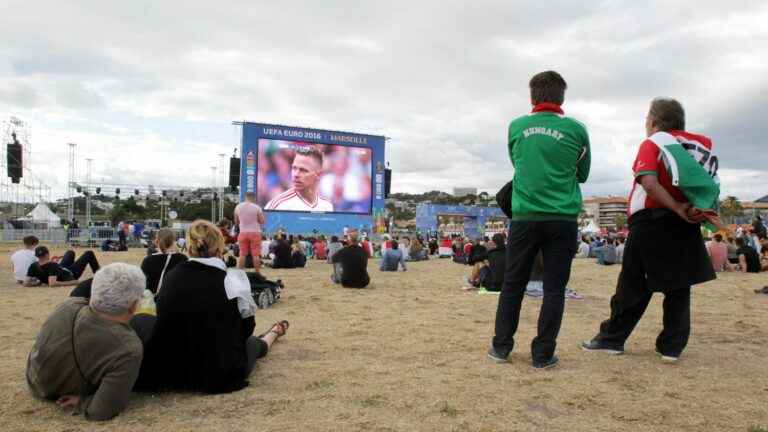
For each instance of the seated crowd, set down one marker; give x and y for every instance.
(99, 346)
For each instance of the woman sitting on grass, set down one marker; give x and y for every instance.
(157, 266)
(203, 338)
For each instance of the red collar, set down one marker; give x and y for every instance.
(548, 107)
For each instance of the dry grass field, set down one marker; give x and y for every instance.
(408, 354)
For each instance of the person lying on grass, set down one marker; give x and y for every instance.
(86, 356)
(59, 272)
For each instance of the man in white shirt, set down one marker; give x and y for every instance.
(306, 170)
(23, 258)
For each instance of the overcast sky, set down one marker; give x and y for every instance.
(149, 89)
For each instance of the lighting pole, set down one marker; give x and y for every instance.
(221, 185)
(88, 195)
(213, 191)
(70, 185)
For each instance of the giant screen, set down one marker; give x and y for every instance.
(302, 176)
(314, 180)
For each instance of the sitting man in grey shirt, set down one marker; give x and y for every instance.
(606, 255)
(392, 257)
(86, 356)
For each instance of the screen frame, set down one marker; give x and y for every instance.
(372, 176)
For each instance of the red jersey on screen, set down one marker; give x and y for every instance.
(649, 161)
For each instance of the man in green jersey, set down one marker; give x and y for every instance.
(550, 153)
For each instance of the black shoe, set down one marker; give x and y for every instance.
(763, 290)
(547, 364)
(497, 356)
(598, 346)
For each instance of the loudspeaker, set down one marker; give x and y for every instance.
(234, 172)
(387, 182)
(14, 163)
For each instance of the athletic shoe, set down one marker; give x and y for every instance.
(667, 358)
(547, 364)
(496, 356)
(598, 346)
(763, 290)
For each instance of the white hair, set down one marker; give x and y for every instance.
(116, 287)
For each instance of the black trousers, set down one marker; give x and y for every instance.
(121, 239)
(663, 254)
(626, 311)
(557, 240)
(77, 267)
(255, 348)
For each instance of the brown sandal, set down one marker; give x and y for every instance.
(282, 328)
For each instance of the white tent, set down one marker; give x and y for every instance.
(41, 214)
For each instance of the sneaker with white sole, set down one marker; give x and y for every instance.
(497, 356)
(667, 358)
(546, 364)
(598, 346)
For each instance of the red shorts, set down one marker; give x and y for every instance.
(250, 244)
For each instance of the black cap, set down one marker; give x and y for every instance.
(41, 251)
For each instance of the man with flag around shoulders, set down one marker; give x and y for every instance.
(675, 189)
(550, 153)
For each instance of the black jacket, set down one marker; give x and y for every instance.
(354, 264)
(496, 262)
(198, 342)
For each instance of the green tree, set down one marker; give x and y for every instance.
(620, 221)
(730, 208)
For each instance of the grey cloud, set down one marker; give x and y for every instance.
(443, 79)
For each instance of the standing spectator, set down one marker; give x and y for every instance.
(353, 261)
(758, 228)
(250, 218)
(620, 250)
(665, 250)
(733, 255)
(319, 248)
(121, 236)
(551, 156)
(22, 259)
(138, 230)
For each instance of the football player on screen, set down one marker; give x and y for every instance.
(306, 171)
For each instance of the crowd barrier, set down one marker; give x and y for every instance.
(51, 235)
